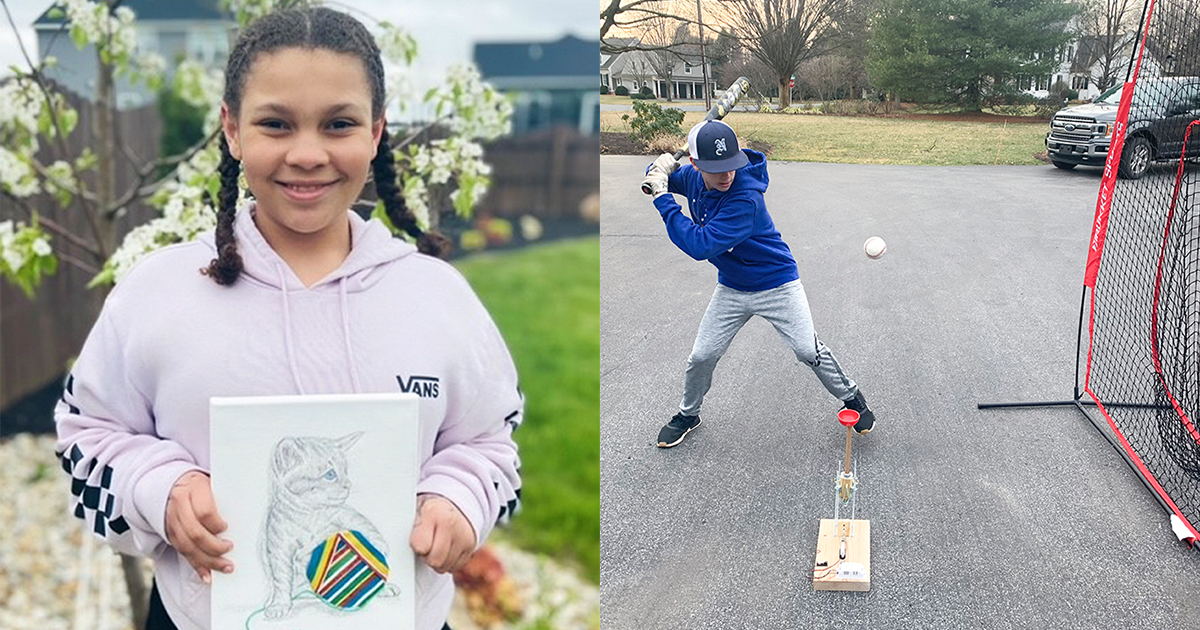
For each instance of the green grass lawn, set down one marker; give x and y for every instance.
(546, 301)
(868, 140)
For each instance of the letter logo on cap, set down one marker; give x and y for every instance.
(721, 146)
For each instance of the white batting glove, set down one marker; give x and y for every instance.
(657, 180)
(665, 164)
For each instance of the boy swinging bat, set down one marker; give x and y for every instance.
(729, 226)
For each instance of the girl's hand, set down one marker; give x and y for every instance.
(193, 524)
(441, 536)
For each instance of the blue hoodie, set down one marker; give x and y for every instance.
(730, 229)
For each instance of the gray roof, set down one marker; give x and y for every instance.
(567, 57)
(158, 10)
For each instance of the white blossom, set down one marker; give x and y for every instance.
(250, 10)
(13, 258)
(7, 234)
(473, 108)
(395, 44)
(415, 193)
(20, 244)
(198, 85)
(184, 216)
(150, 65)
(91, 23)
(59, 174)
(183, 224)
(16, 176)
(20, 104)
(41, 247)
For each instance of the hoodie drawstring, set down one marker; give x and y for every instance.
(345, 310)
(287, 329)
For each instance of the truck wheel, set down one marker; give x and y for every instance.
(1066, 166)
(1135, 158)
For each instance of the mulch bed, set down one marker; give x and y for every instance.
(975, 117)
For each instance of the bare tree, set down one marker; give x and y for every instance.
(671, 35)
(641, 68)
(827, 75)
(663, 62)
(1106, 38)
(1174, 39)
(783, 33)
(633, 16)
(760, 76)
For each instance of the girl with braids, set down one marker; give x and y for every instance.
(292, 294)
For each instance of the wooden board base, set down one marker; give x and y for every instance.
(858, 549)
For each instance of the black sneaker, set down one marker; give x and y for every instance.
(674, 431)
(866, 419)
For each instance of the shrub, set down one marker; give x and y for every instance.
(604, 89)
(1047, 107)
(651, 120)
(646, 91)
(621, 90)
(643, 97)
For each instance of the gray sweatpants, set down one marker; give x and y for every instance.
(786, 307)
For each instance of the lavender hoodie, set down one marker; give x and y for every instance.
(134, 413)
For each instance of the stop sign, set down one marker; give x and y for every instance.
(792, 81)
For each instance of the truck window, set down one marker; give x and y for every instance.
(1111, 96)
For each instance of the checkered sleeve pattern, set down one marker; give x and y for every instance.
(510, 494)
(94, 501)
(120, 470)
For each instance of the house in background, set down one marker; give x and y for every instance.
(1079, 66)
(636, 68)
(552, 82)
(607, 59)
(181, 29)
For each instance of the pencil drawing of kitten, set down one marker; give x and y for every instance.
(309, 487)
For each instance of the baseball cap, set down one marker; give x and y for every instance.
(714, 146)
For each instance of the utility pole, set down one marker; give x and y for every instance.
(703, 61)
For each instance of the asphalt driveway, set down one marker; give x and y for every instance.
(980, 519)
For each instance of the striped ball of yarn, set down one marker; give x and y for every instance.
(346, 571)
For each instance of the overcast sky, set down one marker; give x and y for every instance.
(445, 30)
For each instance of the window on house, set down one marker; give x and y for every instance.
(687, 68)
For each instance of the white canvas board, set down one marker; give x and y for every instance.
(284, 490)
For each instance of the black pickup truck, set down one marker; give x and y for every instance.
(1159, 115)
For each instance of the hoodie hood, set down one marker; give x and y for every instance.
(372, 248)
(753, 176)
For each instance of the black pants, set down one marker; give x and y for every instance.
(157, 618)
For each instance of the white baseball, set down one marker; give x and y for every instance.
(874, 247)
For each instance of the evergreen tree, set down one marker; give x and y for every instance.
(964, 51)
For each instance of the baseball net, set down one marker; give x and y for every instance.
(1143, 361)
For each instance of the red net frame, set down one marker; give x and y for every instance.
(1143, 273)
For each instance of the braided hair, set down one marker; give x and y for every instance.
(312, 28)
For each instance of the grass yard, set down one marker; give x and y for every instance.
(546, 301)
(869, 140)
